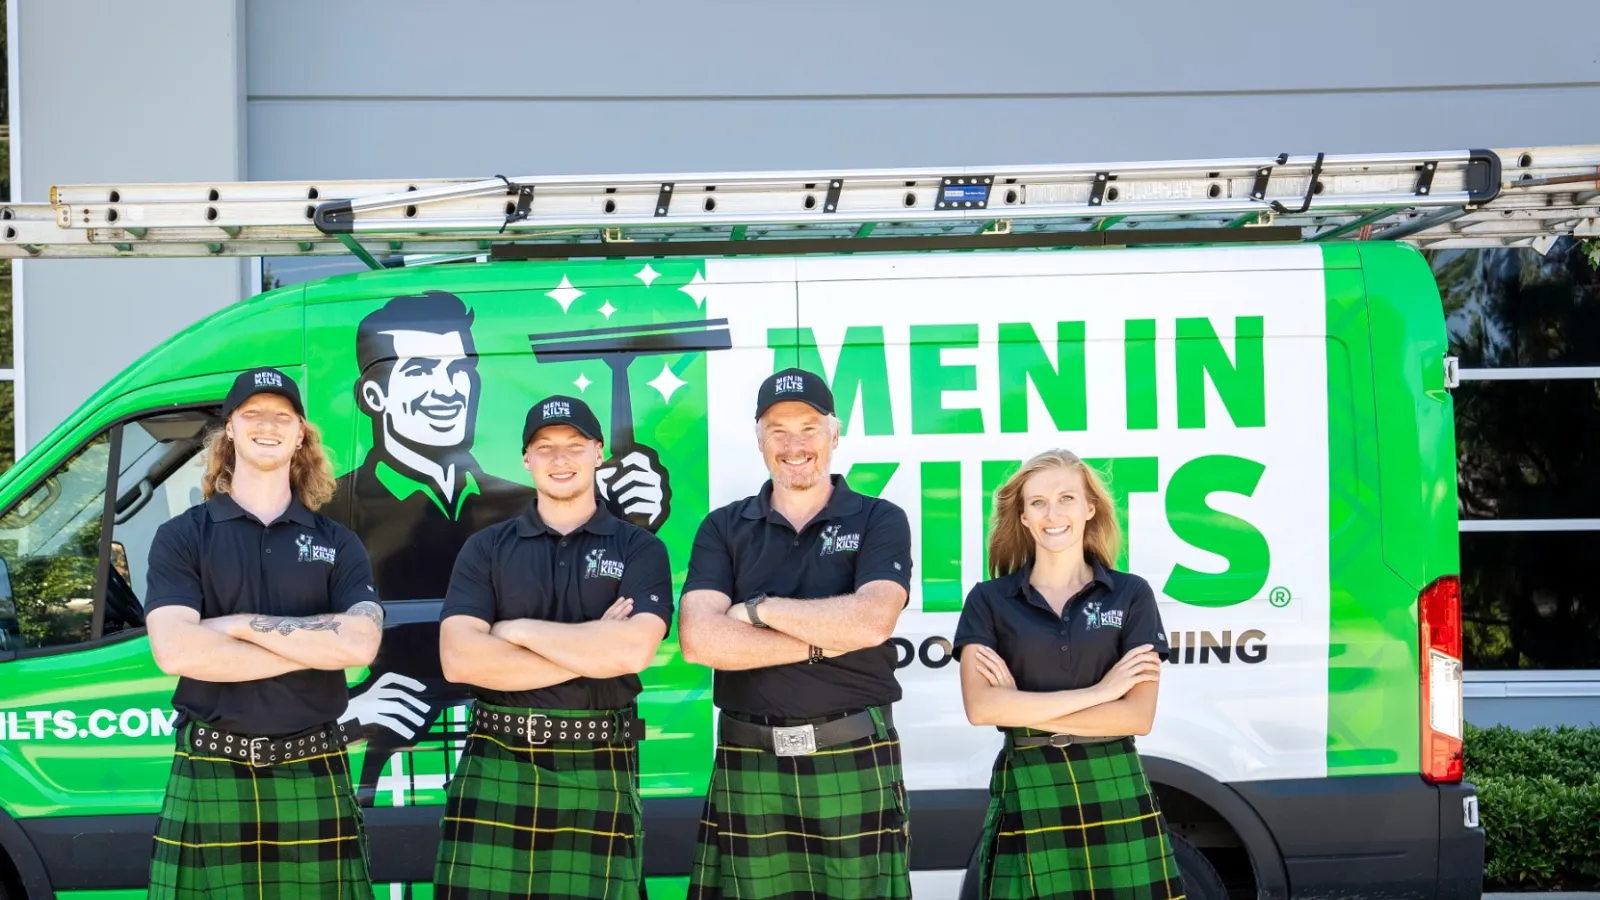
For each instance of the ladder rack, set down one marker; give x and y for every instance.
(1476, 198)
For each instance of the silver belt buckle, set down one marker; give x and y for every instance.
(531, 721)
(794, 740)
(255, 747)
(1061, 740)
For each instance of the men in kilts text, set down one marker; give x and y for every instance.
(550, 616)
(792, 595)
(258, 603)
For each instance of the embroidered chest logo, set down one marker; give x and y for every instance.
(1096, 617)
(835, 542)
(312, 552)
(600, 567)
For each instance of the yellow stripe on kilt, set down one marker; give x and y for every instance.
(1086, 825)
(537, 830)
(304, 759)
(332, 840)
(541, 748)
(820, 837)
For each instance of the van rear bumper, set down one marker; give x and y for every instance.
(1377, 836)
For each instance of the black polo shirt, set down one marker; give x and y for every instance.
(1111, 615)
(219, 560)
(523, 569)
(747, 547)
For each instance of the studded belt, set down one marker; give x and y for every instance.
(265, 751)
(536, 728)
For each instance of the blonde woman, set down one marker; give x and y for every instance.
(1063, 653)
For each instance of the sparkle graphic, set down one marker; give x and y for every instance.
(564, 294)
(607, 310)
(583, 382)
(647, 275)
(667, 383)
(696, 288)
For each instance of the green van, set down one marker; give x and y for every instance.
(1275, 422)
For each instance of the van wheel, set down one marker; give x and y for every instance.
(1200, 878)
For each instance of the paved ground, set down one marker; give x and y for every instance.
(1577, 895)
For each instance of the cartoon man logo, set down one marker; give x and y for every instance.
(420, 493)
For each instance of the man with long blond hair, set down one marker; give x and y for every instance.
(258, 603)
(1062, 653)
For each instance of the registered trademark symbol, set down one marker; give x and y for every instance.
(1279, 597)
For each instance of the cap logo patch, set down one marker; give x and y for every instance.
(790, 384)
(557, 409)
(269, 379)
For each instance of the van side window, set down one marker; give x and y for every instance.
(158, 476)
(51, 541)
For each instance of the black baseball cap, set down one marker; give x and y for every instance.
(794, 384)
(561, 410)
(265, 380)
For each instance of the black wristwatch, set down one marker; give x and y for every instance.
(750, 607)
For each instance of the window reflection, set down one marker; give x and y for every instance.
(1529, 600)
(1513, 307)
(1528, 449)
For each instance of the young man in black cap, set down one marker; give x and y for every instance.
(550, 617)
(258, 604)
(792, 596)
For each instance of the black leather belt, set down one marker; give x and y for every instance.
(1061, 740)
(801, 740)
(534, 728)
(266, 751)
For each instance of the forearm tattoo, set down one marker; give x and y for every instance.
(288, 624)
(369, 609)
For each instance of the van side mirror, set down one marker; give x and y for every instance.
(10, 624)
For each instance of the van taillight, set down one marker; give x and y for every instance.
(1439, 612)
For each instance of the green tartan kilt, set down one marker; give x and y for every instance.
(559, 821)
(833, 824)
(229, 830)
(1076, 821)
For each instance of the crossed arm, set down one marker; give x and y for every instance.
(528, 654)
(1122, 703)
(252, 647)
(716, 632)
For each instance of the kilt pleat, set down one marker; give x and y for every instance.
(833, 824)
(1075, 822)
(560, 821)
(230, 831)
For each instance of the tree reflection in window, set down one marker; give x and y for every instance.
(1526, 449)
(51, 545)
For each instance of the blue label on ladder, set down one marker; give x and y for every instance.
(961, 194)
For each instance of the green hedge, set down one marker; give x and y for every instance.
(1539, 802)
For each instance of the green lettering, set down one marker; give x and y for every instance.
(1240, 383)
(1139, 367)
(994, 474)
(1232, 538)
(862, 371)
(1063, 391)
(869, 479)
(931, 378)
(1124, 476)
(941, 537)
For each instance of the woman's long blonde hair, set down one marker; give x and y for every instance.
(310, 471)
(1010, 542)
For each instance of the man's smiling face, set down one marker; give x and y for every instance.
(428, 397)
